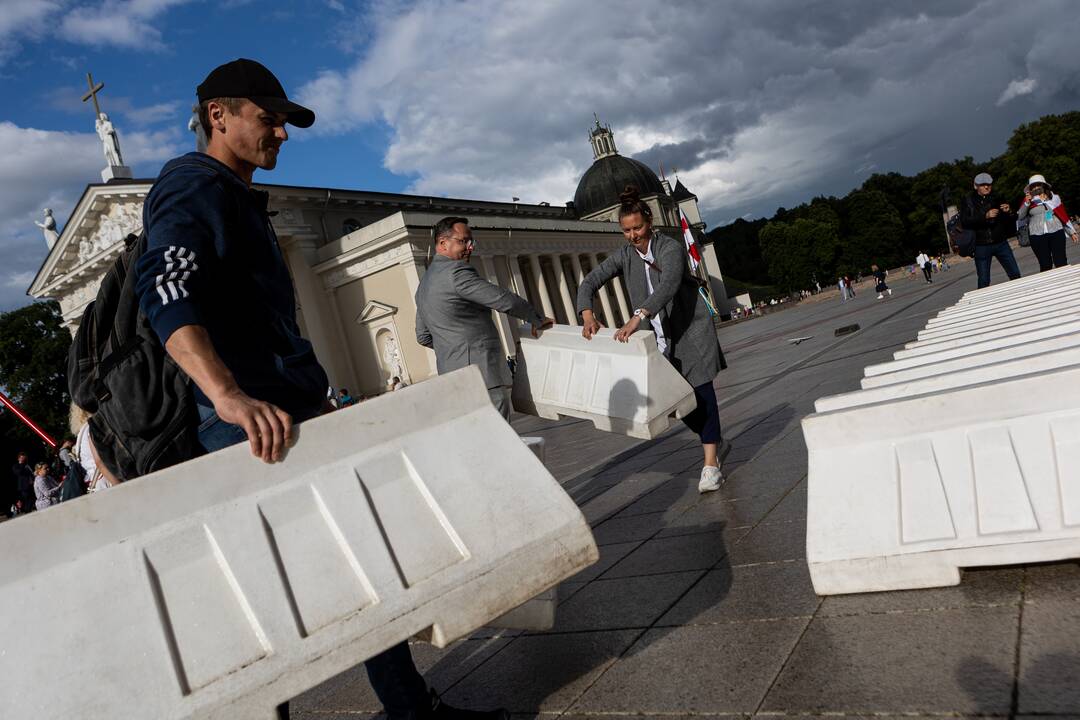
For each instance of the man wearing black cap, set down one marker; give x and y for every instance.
(216, 290)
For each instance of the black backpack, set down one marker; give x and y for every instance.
(144, 417)
(963, 241)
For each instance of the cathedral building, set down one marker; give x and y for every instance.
(356, 258)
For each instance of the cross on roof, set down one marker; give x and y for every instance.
(94, 90)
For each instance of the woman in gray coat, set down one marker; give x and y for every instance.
(666, 299)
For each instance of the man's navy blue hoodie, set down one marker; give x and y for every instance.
(212, 259)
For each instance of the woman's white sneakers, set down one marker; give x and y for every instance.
(711, 479)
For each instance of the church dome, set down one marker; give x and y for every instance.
(609, 175)
(601, 184)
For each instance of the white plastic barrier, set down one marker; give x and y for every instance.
(222, 587)
(627, 388)
(969, 460)
(539, 612)
(913, 349)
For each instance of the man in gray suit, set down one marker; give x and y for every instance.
(453, 312)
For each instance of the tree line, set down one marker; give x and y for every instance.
(891, 217)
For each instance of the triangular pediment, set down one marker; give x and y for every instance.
(374, 311)
(93, 236)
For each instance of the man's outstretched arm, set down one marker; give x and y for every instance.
(269, 428)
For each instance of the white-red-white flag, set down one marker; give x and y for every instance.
(691, 246)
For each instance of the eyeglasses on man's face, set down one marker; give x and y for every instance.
(466, 241)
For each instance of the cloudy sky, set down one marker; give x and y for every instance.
(758, 104)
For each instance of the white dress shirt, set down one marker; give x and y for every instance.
(654, 320)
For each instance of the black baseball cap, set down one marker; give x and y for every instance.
(251, 80)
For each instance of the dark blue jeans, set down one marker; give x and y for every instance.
(705, 419)
(1004, 254)
(393, 675)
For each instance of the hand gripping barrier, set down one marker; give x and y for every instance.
(222, 587)
(970, 461)
(627, 388)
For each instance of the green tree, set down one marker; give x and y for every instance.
(33, 372)
(873, 232)
(799, 252)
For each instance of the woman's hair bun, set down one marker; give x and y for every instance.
(630, 195)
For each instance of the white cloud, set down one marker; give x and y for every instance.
(494, 98)
(120, 23)
(22, 18)
(44, 168)
(1017, 88)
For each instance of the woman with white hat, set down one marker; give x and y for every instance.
(1047, 223)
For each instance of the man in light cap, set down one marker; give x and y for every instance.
(993, 222)
(215, 288)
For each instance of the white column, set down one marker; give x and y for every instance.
(330, 345)
(622, 296)
(605, 302)
(414, 270)
(564, 290)
(517, 281)
(541, 286)
(335, 313)
(502, 322)
(716, 280)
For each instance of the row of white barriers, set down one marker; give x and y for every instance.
(962, 451)
(222, 587)
(627, 388)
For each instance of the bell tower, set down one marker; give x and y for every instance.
(603, 140)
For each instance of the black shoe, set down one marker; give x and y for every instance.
(442, 711)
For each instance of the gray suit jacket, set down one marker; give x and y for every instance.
(692, 344)
(453, 317)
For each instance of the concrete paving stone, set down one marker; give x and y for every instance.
(632, 602)
(677, 494)
(699, 670)
(678, 462)
(609, 555)
(1050, 657)
(715, 508)
(541, 673)
(976, 588)
(567, 590)
(619, 496)
(350, 692)
(621, 529)
(672, 554)
(791, 507)
(770, 542)
(747, 483)
(947, 661)
(1055, 581)
(753, 592)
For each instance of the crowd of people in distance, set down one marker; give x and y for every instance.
(66, 473)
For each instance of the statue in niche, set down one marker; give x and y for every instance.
(109, 140)
(48, 229)
(391, 355)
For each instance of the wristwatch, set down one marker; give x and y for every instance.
(642, 314)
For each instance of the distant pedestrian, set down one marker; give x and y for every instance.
(843, 290)
(850, 282)
(923, 261)
(46, 488)
(993, 222)
(1047, 222)
(23, 478)
(881, 287)
(344, 399)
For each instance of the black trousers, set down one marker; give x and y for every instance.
(1050, 250)
(926, 270)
